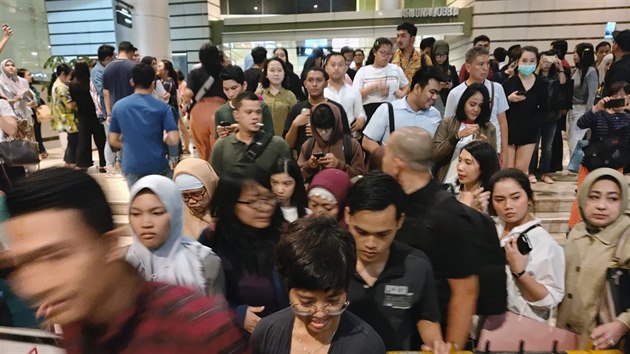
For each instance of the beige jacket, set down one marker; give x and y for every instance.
(588, 254)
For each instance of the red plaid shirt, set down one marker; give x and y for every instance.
(166, 319)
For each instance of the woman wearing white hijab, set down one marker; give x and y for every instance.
(159, 250)
(16, 90)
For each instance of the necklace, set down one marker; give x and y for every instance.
(305, 350)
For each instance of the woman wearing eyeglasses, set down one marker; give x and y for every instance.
(315, 259)
(247, 231)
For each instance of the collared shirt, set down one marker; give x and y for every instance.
(545, 263)
(280, 105)
(229, 151)
(403, 294)
(97, 78)
(165, 319)
(410, 66)
(378, 127)
(350, 99)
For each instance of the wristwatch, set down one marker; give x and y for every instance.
(518, 275)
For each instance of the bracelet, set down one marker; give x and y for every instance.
(518, 275)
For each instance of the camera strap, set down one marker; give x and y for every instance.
(529, 229)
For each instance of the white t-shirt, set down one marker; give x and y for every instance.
(451, 174)
(350, 98)
(500, 104)
(5, 111)
(368, 75)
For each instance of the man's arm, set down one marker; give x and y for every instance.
(369, 145)
(429, 332)
(108, 102)
(172, 137)
(115, 140)
(461, 308)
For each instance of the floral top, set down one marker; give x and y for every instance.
(64, 118)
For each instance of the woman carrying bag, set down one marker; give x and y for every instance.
(592, 244)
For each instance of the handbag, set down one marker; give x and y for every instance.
(617, 287)
(19, 152)
(608, 151)
(43, 113)
(508, 332)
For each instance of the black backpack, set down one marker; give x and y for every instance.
(607, 151)
(347, 148)
(492, 277)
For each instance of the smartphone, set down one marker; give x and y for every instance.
(318, 155)
(523, 244)
(305, 111)
(521, 93)
(225, 124)
(615, 103)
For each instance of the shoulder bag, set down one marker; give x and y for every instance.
(607, 151)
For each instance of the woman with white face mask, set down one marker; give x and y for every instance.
(330, 147)
(527, 95)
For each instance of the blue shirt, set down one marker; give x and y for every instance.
(142, 120)
(378, 127)
(116, 78)
(97, 80)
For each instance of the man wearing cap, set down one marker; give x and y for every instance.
(620, 69)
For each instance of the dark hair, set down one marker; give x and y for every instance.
(105, 51)
(210, 59)
(61, 189)
(484, 114)
(601, 44)
(481, 38)
(334, 54)
(286, 55)
(552, 69)
(427, 43)
(264, 81)
(317, 255)
(359, 50)
(379, 42)
(486, 156)
(310, 62)
(345, 49)
(618, 86)
(259, 54)
(409, 27)
(142, 75)
(290, 167)
(247, 249)
(170, 70)
(233, 72)
(245, 95)
(375, 192)
(530, 49)
(126, 47)
(323, 117)
(22, 72)
(517, 176)
(81, 76)
(60, 69)
(148, 60)
(586, 54)
(561, 46)
(424, 74)
(315, 68)
(500, 54)
(180, 75)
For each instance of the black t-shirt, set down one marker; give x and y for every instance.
(83, 99)
(116, 79)
(198, 77)
(619, 71)
(273, 335)
(252, 76)
(297, 109)
(403, 294)
(443, 233)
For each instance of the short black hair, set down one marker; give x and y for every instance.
(561, 46)
(126, 47)
(481, 38)
(618, 86)
(345, 50)
(333, 54)
(318, 69)
(60, 188)
(22, 72)
(259, 54)
(500, 54)
(602, 44)
(484, 114)
(323, 117)
(245, 95)
(424, 74)
(317, 255)
(375, 191)
(290, 167)
(427, 43)
(233, 72)
(409, 27)
(622, 39)
(143, 75)
(105, 51)
(147, 59)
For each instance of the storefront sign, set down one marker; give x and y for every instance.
(431, 12)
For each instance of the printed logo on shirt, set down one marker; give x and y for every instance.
(397, 297)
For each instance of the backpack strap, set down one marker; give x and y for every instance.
(256, 148)
(392, 124)
(309, 148)
(347, 148)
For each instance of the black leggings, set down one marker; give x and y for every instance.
(88, 127)
(37, 127)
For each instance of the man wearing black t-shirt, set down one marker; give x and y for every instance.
(252, 75)
(393, 288)
(441, 231)
(117, 77)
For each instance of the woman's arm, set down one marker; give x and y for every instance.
(445, 139)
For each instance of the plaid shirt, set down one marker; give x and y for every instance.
(165, 320)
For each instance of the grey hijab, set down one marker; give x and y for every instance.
(179, 260)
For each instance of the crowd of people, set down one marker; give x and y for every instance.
(358, 207)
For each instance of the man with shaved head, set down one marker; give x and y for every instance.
(437, 224)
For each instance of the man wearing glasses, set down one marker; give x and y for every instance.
(393, 288)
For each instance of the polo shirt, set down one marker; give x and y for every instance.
(228, 151)
(350, 98)
(378, 127)
(500, 104)
(225, 113)
(403, 294)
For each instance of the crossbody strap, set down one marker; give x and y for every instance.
(257, 147)
(204, 88)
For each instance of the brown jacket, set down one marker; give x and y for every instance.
(445, 140)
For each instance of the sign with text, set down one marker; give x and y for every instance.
(431, 12)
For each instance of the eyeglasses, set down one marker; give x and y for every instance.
(260, 202)
(306, 310)
(196, 196)
(385, 54)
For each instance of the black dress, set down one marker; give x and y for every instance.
(88, 126)
(524, 117)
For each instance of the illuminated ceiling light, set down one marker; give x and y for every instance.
(255, 8)
(315, 6)
(34, 54)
